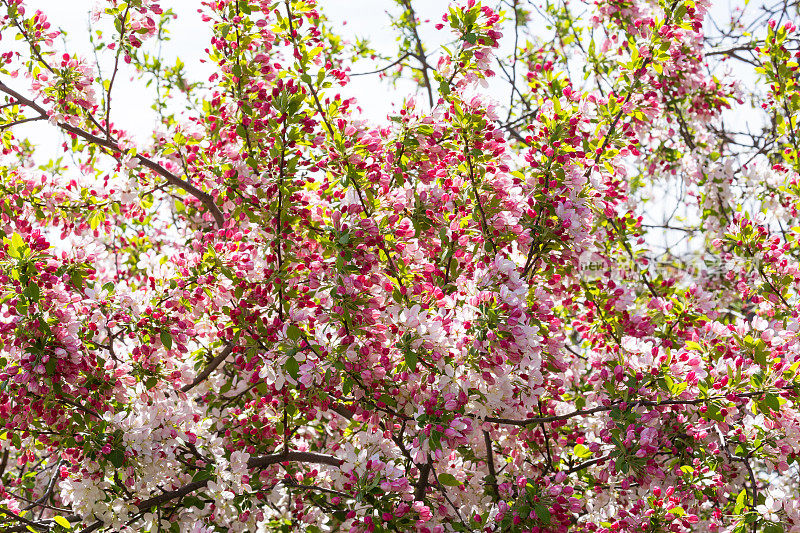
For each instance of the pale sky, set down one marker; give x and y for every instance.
(190, 37)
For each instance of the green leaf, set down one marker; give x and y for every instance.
(32, 292)
(581, 451)
(692, 345)
(713, 413)
(77, 279)
(411, 359)
(293, 332)
(202, 475)
(677, 388)
(444, 88)
(760, 354)
(95, 219)
(739, 505)
(542, 512)
(17, 245)
(63, 522)
(396, 296)
(116, 458)
(772, 401)
(193, 501)
(449, 480)
(388, 400)
(292, 367)
(677, 511)
(166, 339)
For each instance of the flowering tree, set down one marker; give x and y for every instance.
(565, 300)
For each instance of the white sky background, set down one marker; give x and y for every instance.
(189, 37)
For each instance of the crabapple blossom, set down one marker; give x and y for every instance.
(555, 290)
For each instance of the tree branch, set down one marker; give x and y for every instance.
(206, 199)
(212, 365)
(253, 462)
(615, 405)
(487, 440)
